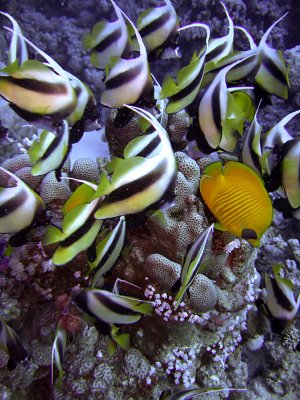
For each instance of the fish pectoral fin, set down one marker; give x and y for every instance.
(251, 236)
(248, 233)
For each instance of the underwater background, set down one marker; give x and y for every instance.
(115, 284)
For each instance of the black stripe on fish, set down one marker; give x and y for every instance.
(111, 247)
(248, 234)
(107, 302)
(60, 347)
(215, 52)
(13, 204)
(216, 107)
(155, 24)
(189, 88)
(38, 86)
(108, 40)
(44, 121)
(273, 69)
(281, 298)
(126, 191)
(155, 142)
(124, 77)
(54, 144)
(78, 233)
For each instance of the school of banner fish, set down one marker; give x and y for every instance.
(63, 108)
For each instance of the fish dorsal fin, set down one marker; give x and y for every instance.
(17, 44)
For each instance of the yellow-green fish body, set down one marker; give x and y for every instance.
(237, 197)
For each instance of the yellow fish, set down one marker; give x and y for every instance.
(236, 195)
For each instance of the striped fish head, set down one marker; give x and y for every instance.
(272, 74)
(36, 89)
(157, 25)
(107, 39)
(236, 195)
(280, 300)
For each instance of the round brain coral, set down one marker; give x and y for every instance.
(162, 270)
(87, 169)
(17, 162)
(203, 294)
(52, 191)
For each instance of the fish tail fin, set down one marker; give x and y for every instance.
(179, 297)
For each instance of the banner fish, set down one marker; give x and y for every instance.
(137, 182)
(272, 74)
(79, 227)
(57, 354)
(191, 263)
(280, 300)
(187, 394)
(157, 25)
(108, 251)
(43, 93)
(107, 39)
(222, 111)
(11, 344)
(236, 195)
(184, 90)
(49, 152)
(280, 160)
(126, 79)
(112, 308)
(219, 48)
(18, 203)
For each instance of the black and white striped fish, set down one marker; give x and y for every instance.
(281, 160)
(50, 151)
(219, 48)
(186, 394)
(18, 203)
(57, 354)
(272, 74)
(111, 308)
(280, 300)
(184, 91)
(79, 227)
(157, 25)
(137, 182)
(11, 344)
(220, 114)
(43, 93)
(245, 69)
(107, 39)
(251, 152)
(127, 79)
(191, 263)
(108, 251)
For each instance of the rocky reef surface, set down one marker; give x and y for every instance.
(218, 336)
